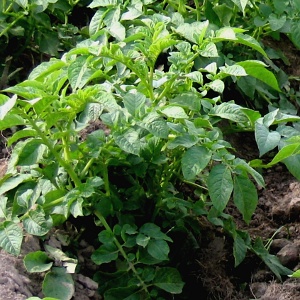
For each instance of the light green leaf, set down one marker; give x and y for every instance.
(225, 33)
(257, 69)
(293, 165)
(216, 85)
(229, 111)
(220, 186)
(285, 152)
(186, 140)
(36, 223)
(276, 22)
(158, 128)
(194, 160)
(175, 112)
(245, 196)
(32, 152)
(37, 261)
(142, 240)
(265, 139)
(241, 4)
(169, 280)
(251, 42)
(234, 70)
(158, 249)
(3, 211)
(240, 163)
(11, 236)
(20, 135)
(13, 182)
(11, 120)
(117, 30)
(102, 3)
(134, 102)
(129, 141)
(210, 50)
(192, 31)
(79, 72)
(58, 284)
(296, 274)
(6, 104)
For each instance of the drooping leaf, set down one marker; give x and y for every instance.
(58, 284)
(158, 249)
(258, 70)
(11, 236)
(6, 104)
(284, 153)
(194, 160)
(245, 196)
(266, 140)
(175, 112)
(169, 280)
(220, 186)
(37, 261)
(36, 223)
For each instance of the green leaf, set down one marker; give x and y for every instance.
(58, 284)
(169, 280)
(192, 31)
(11, 120)
(175, 112)
(216, 85)
(229, 111)
(102, 3)
(79, 72)
(239, 249)
(154, 231)
(11, 236)
(125, 293)
(270, 260)
(36, 223)
(265, 139)
(142, 240)
(32, 152)
(186, 141)
(3, 210)
(210, 50)
(296, 274)
(129, 141)
(194, 160)
(241, 4)
(20, 135)
(240, 163)
(235, 70)
(13, 182)
(224, 13)
(276, 22)
(295, 33)
(37, 261)
(134, 103)
(245, 196)
(285, 152)
(293, 165)
(258, 70)
(251, 42)
(6, 104)
(158, 249)
(220, 186)
(105, 254)
(48, 42)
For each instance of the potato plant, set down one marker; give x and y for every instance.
(160, 130)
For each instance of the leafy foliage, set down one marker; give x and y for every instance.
(160, 128)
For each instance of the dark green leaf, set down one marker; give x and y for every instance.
(169, 280)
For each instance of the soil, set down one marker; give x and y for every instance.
(209, 273)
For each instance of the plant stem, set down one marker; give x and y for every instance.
(87, 166)
(120, 248)
(8, 27)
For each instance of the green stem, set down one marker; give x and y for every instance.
(87, 166)
(197, 10)
(8, 27)
(106, 179)
(151, 84)
(120, 248)
(66, 165)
